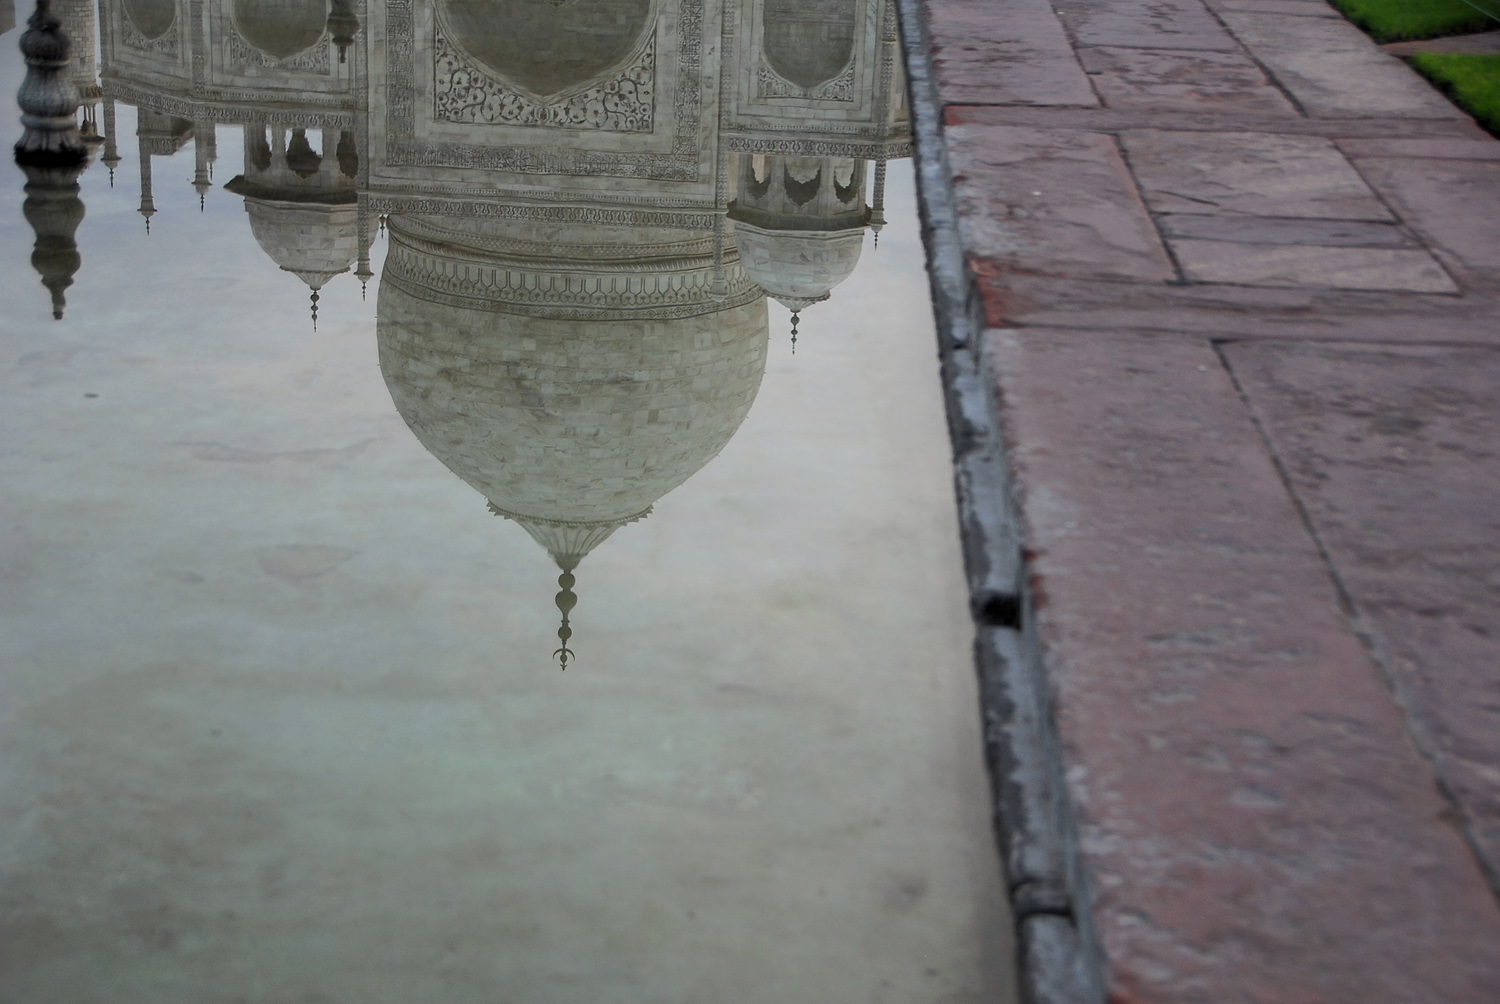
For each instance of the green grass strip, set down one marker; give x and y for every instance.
(1473, 82)
(1408, 20)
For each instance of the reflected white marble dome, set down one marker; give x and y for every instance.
(571, 393)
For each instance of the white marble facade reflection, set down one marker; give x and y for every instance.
(587, 203)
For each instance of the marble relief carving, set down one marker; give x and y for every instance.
(164, 44)
(771, 84)
(239, 53)
(464, 92)
(679, 163)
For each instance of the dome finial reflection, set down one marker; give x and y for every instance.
(795, 318)
(566, 600)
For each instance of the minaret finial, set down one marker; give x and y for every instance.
(566, 601)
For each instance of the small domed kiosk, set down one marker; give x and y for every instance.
(302, 204)
(799, 225)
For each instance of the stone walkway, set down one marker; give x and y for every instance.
(1228, 283)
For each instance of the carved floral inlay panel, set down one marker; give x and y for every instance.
(840, 88)
(133, 37)
(238, 53)
(463, 92)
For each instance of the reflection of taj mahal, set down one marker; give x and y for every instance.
(587, 203)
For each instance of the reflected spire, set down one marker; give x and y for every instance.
(51, 153)
(877, 208)
(314, 299)
(148, 204)
(202, 144)
(111, 156)
(54, 210)
(795, 318)
(342, 26)
(566, 600)
(362, 267)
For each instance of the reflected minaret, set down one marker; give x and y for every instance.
(111, 156)
(877, 201)
(148, 201)
(203, 153)
(51, 153)
(159, 135)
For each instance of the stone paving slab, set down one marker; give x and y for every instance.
(1257, 174)
(1311, 266)
(1116, 119)
(1253, 811)
(1229, 311)
(1394, 452)
(1176, 80)
(1006, 52)
(1422, 149)
(1147, 24)
(1444, 202)
(1099, 229)
(1333, 70)
(1274, 230)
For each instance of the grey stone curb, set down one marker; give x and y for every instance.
(1058, 956)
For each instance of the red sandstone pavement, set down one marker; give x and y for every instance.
(1242, 275)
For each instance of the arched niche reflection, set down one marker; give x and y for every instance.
(152, 18)
(281, 28)
(547, 47)
(809, 42)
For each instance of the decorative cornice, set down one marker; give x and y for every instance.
(560, 293)
(891, 149)
(387, 204)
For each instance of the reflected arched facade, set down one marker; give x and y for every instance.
(587, 203)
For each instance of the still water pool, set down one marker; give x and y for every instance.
(429, 569)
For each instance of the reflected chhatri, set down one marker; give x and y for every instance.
(587, 204)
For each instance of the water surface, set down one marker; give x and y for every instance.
(448, 361)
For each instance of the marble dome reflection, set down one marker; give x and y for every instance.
(572, 376)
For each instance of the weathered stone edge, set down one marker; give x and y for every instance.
(1059, 959)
